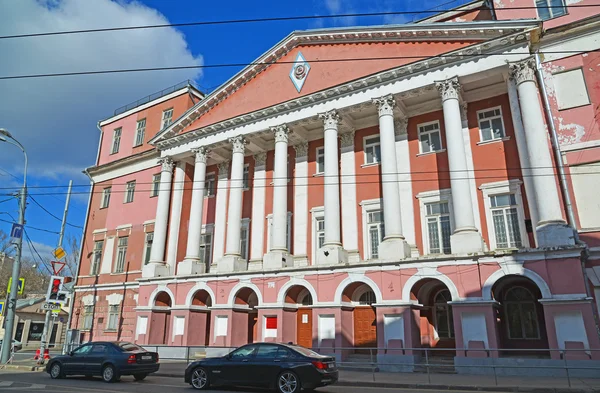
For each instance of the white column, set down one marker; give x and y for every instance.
(192, 264)
(470, 164)
(301, 205)
(552, 230)
(466, 237)
(407, 206)
(232, 261)
(277, 256)
(157, 266)
(393, 246)
(175, 217)
(221, 212)
(348, 181)
(258, 207)
(332, 251)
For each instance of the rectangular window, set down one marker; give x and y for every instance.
(506, 221)
(155, 185)
(491, 126)
(206, 248)
(140, 133)
(376, 231)
(244, 241)
(121, 254)
(96, 257)
(105, 197)
(320, 160)
(148, 248)
(210, 184)
(129, 191)
(571, 90)
(430, 137)
(88, 317)
(548, 9)
(116, 142)
(113, 317)
(438, 227)
(372, 150)
(167, 118)
(320, 232)
(246, 178)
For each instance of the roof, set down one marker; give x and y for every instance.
(441, 16)
(22, 303)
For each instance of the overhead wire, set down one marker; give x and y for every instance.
(47, 211)
(30, 243)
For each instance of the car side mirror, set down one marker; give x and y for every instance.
(71, 353)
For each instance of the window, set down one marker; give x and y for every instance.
(113, 317)
(548, 9)
(320, 227)
(35, 331)
(491, 126)
(244, 239)
(583, 178)
(430, 138)
(376, 232)
(506, 221)
(571, 90)
(320, 160)
(267, 351)
(244, 352)
(129, 191)
(367, 298)
(284, 353)
(140, 133)
(121, 254)
(105, 197)
(155, 185)
(96, 257)
(88, 317)
(444, 323)
(246, 178)
(521, 314)
(167, 118)
(438, 227)
(83, 350)
(148, 248)
(210, 184)
(206, 248)
(99, 349)
(116, 142)
(372, 150)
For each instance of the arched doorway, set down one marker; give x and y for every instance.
(436, 320)
(362, 297)
(520, 317)
(160, 321)
(302, 300)
(200, 318)
(248, 316)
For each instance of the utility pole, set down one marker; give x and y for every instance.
(48, 319)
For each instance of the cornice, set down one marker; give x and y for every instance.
(123, 162)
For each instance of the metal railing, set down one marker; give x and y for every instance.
(154, 96)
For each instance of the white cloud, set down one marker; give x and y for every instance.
(55, 118)
(44, 251)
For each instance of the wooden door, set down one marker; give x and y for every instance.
(207, 336)
(252, 323)
(304, 326)
(365, 327)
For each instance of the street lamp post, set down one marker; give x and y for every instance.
(5, 136)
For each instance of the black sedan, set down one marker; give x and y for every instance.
(110, 360)
(285, 367)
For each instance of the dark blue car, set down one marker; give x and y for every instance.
(110, 360)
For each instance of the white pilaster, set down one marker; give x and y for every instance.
(332, 251)
(175, 217)
(470, 164)
(157, 266)
(405, 184)
(466, 237)
(348, 180)
(552, 230)
(221, 211)
(192, 264)
(258, 207)
(301, 205)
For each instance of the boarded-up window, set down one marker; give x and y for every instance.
(586, 183)
(570, 88)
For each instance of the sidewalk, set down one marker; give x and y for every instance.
(434, 382)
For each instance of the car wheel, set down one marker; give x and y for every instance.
(200, 379)
(139, 377)
(56, 371)
(109, 374)
(288, 382)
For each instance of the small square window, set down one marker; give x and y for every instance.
(430, 137)
(548, 9)
(571, 90)
(491, 125)
(372, 150)
(167, 118)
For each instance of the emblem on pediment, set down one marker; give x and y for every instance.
(299, 71)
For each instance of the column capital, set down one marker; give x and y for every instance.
(238, 143)
(301, 149)
(523, 71)
(449, 89)
(260, 159)
(223, 169)
(201, 154)
(385, 105)
(401, 126)
(330, 119)
(281, 133)
(167, 164)
(347, 139)
(464, 106)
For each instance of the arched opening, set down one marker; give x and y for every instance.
(301, 301)
(520, 317)
(199, 322)
(364, 318)
(245, 316)
(436, 319)
(160, 320)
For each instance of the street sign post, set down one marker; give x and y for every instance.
(20, 288)
(50, 307)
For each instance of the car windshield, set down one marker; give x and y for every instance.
(129, 347)
(305, 351)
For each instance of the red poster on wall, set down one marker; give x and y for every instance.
(271, 322)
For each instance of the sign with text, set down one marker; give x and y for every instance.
(50, 306)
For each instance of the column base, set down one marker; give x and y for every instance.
(277, 260)
(232, 263)
(555, 234)
(156, 269)
(300, 260)
(353, 256)
(331, 255)
(393, 249)
(466, 242)
(190, 266)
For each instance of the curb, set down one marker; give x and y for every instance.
(21, 368)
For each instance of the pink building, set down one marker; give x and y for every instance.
(411, 202)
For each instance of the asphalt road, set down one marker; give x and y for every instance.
(11, 381)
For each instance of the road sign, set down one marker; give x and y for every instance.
(59, 253)
(1, 308)
(50, 306)
(57, 266)
(16, 232)
(20, 288)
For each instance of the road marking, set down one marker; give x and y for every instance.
(5, 383)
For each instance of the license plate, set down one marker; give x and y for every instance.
(331, 365)
(147, 357)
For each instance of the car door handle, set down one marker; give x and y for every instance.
(245, 360)
(277, 361)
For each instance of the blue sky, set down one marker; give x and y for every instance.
(55, 118)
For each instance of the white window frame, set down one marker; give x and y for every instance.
(246, 178)
(105, 201)
(245, 227)
(207, 229)
(551, 10)
(373, 145)
(320, 152)
(116, 140)
(96, 258)
(129, 191)
(512, 186)
(501, 116)
(436, 196)
(121, 269)
(140, 133)
(318, 213)
(155, 185)
(115, 314)
(147, 251)
(368, 206)
(210, 192)
(165, 122)
(439, 229)
(419, 134)
(289, 231)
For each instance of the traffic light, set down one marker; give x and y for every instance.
(55, 290)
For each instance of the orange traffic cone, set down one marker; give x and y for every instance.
(37, 355)
(46, 354)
